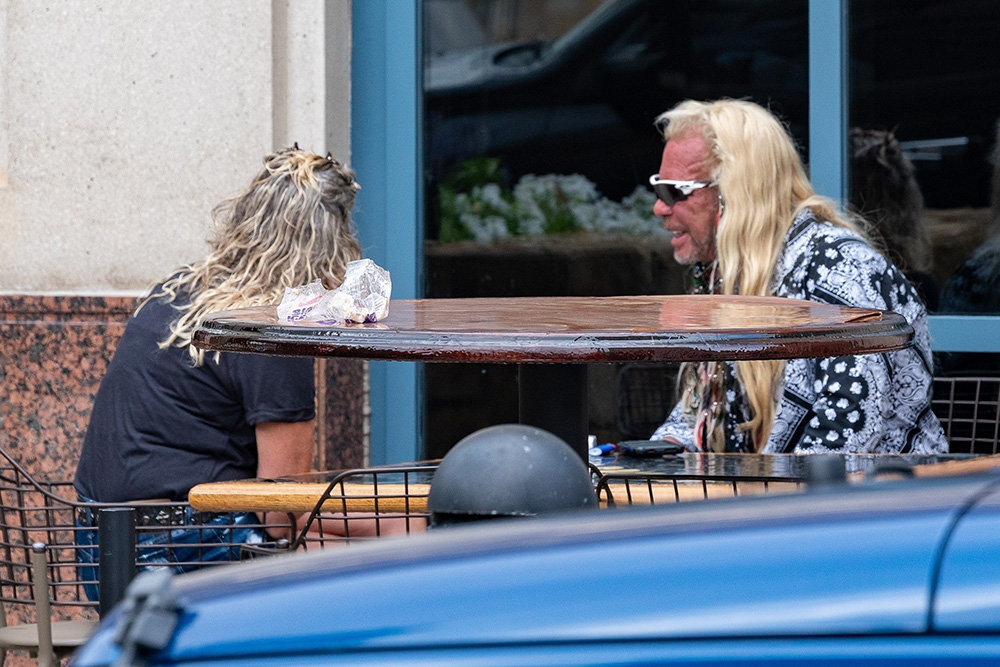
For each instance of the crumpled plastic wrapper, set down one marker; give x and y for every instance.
(362, 297)
(298, 302)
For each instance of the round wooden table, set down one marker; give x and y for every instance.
(552, 338)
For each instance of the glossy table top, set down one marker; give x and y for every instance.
(572, 330)
(776, 466)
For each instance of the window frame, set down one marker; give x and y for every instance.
(386, 147)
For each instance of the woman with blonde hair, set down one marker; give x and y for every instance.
(733, 191)
(167, 416)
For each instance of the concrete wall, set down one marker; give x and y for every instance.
(122, 123)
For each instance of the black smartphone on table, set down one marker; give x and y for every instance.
(646, 448)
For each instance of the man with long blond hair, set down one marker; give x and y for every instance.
(734, 193)
(167, 416)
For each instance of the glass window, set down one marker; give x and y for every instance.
(924, 103)
(539, 143)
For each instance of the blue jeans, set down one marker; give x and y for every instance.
(182, 548)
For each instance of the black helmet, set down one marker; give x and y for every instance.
(509, 470)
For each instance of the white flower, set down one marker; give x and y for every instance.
(537, 200)
(462, 202)
(531, 225)
(585, 214)
(485, 229)
(491, 195)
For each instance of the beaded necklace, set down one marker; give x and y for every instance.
(705, 381)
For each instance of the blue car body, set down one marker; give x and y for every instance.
(900, 572)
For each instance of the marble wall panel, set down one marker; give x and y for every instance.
(54, 350)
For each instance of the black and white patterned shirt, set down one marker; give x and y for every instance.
(871, 403)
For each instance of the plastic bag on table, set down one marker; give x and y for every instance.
(362, 297)
(298, 302)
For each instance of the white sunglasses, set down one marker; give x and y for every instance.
(671, 192)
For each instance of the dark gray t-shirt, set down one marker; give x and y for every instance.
(161, 425)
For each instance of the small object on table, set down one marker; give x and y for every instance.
(648, 448)
(362, 297)
(603, 450)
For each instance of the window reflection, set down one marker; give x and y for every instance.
(559, 87)
(539, 142)
(925, 72)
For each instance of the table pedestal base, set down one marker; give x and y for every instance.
(554, 397)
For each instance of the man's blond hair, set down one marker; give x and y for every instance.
(763, 184)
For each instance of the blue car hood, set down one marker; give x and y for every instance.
(854, 561)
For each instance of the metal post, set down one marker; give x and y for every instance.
(825, 470)
(43, 607)
(116, 542)
(553, 397)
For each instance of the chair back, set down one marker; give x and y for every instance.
(968, 407)
(38, 511)
(968, 410)
(35, 512)
(635, 487)
(367, 503)
(646, 394)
